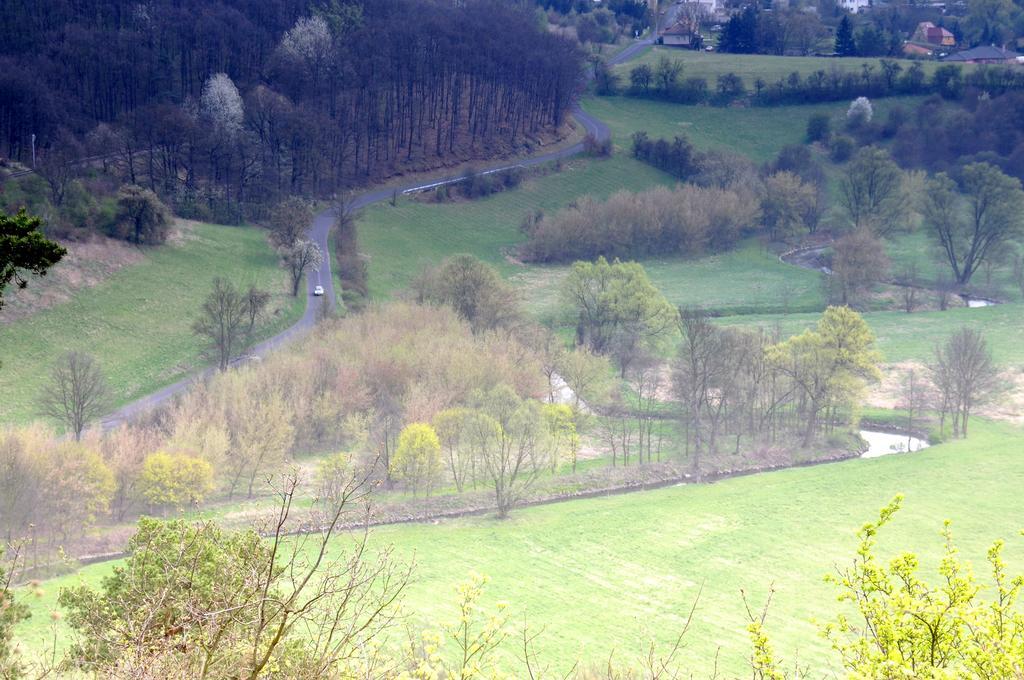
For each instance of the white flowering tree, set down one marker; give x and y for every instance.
(221, 105)
(860, 112)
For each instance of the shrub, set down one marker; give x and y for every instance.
(688, 220)
(592, 146)
(819, 128)
(841, 148)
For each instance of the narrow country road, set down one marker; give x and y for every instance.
(319, 231)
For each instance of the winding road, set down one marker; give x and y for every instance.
(319, 231)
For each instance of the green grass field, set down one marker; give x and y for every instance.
(630, 566)
(769, 68)
(403, 239)
(138, 322)
(912, 337)
(756, 132)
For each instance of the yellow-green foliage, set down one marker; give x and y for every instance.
(50, 486)
(830, 364)
(174, 480)
(417, 461)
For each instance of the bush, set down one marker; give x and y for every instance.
(841, 149)
(688, 220)
(819, 128)
(592, 146)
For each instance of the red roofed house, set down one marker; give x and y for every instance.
(927, 32)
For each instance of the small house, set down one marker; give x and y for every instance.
(986, 54)
(930, 34)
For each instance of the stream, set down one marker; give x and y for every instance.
(811, 258)
(886, 443)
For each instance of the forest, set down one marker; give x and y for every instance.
(238, 102)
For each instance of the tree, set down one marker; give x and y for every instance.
(508, 439)
(256, 300)
(588, 376)
(23, 248)
(606, 81)
(289, 220)
(819, 128)
(262, 434)
(298, 258)
(141, 216)
(452, 427)
(785, 203)
(309, 43)
(618, 310)
(76, 393)
(417, 460)
(640, 78)
(846, 46)
(222, 106)
(474, 289)
(872, 192)
(222, 322)
(174, 480)
(12, 612)
(908, 281)
(963, 372)
(58, 166)
(907, 627)
(195, 600)
(352, 268)
(828, 365)
(858, 262)
(860, 113)
(994, 219)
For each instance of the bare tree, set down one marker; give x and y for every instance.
(994, 202)
(257, 300)
(289, 220)
(964, 374)
(76, 392)
(298, 258)
(872, 192)
(915, 398)
(223, 321)
(908, 280)
(858, 263)
(58, 166)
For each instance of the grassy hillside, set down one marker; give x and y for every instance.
(757, 132)
(402, 239)
(769, 68)
(137, 323)
(609, 574)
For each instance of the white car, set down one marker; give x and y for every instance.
(318, 291)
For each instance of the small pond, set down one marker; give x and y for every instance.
(885, 443)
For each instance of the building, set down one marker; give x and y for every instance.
(855, 5)
(928, 33)
(917, 49)
(684, 33)
(988, 54)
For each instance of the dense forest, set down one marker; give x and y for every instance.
(245, 100)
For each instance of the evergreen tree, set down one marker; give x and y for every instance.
(846, 46)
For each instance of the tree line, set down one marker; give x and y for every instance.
(666, 80)
(232, 102)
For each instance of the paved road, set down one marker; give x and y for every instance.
(319, 231)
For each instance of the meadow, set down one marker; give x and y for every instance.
(756, 132)
(137, 323)
(631, 566)
(750, 67)
(912, 337)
